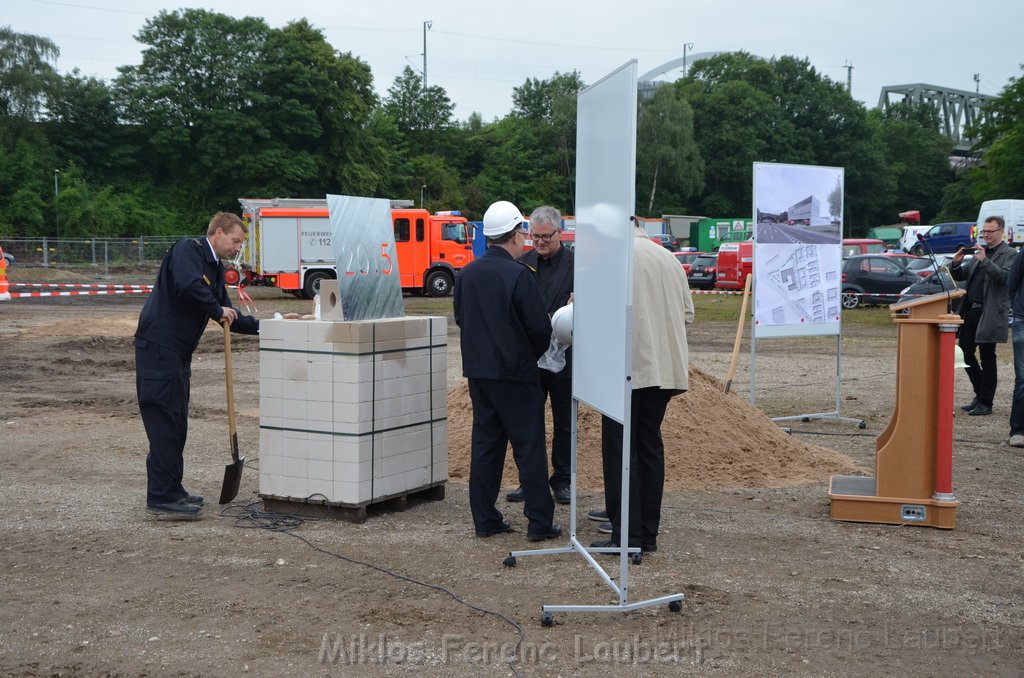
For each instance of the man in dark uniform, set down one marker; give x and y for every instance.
(188, 293)
(553, 265)
(985, 311)
(505, 330)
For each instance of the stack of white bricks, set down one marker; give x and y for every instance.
(352, 412)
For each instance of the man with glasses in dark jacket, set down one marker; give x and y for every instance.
(985, 310)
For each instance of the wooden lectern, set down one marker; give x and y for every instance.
(913, 483)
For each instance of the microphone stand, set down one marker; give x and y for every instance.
(935, 266)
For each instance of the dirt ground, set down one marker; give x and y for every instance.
(92, 586)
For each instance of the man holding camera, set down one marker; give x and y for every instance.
(985, 310)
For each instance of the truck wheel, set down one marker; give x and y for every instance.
(231, 275)
(311, 287)
(439, 284)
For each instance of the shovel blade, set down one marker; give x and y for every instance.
(232, 480)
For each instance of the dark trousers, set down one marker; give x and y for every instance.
(982, 374)
(646, 466)
(504, 412)
(558, 390)
(162, 386)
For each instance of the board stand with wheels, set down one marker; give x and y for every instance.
(605, 199)
(626, 555)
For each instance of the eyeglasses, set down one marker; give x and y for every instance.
(546, 237)
(987, 232)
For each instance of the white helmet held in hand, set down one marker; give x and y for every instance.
(500, 218)
(561, 324)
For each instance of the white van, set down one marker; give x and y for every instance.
(909, 237)
(1012, 212)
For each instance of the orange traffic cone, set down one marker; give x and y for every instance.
(5, 289)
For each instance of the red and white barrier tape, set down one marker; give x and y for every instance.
(90, 285)
(21, 295)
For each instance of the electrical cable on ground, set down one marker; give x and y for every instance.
(247, 516)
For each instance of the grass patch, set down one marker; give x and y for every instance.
(726, 308)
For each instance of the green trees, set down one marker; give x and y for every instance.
(221, 108)
(669, 167)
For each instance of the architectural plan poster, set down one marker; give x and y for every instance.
(798, 216)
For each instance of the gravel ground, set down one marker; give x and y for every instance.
(93, 586)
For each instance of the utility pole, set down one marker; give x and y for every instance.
(422, 188)
(977, 83)
(56, 199)
(686, 46)
(849, 77)
(426, 25)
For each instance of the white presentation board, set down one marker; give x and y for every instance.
(367, 264)
(605, 199)
(798, 215)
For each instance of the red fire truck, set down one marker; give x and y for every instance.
(289, 246)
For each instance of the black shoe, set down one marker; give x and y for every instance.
(970, 406)
(599, 516)
(501, 529)
(980, 410)
(176, 509)
(194, 499)
(605, 528)
(563, 496)
(649, 548)
(551, 533)
(516, 495)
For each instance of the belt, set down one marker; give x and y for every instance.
(975, 305)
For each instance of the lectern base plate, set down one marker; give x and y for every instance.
(854, 500)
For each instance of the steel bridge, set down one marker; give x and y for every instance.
(957, 108)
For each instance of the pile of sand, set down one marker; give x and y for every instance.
(712, 440)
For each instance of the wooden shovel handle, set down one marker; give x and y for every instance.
(229, 380)
(739, 333)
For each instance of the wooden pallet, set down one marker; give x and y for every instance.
(353, 513)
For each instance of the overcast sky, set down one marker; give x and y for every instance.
(478, 51)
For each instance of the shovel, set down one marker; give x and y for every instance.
(233, 471)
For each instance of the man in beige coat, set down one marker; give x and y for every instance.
(662, 306)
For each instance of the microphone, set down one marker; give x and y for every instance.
(935, 266)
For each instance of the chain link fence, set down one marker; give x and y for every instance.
(97, 253)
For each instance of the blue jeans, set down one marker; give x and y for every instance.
(1017, 409)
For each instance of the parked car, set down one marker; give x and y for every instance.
(855, 246)
(875, 279)
(8, 257)
(687, 259)
(703, 272)
(941, 284)
(946, 238)
(666, 240)
(909, 237)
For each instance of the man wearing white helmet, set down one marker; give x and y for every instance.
(505, 330)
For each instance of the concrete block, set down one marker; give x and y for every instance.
(296, 488)
(319, 367)
(271, 329)
(320, 446)
(295, 334)
(322, 487)
(353, 471)
(270, 364)
(330, 301)
(293, 366)
(320, 469)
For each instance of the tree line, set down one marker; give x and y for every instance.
(221, 108)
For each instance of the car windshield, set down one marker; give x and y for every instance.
(687, 257)
(919, 263)
(704, 260)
